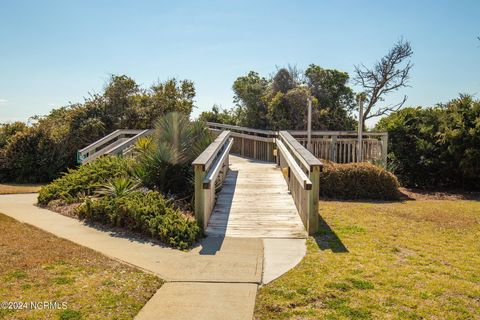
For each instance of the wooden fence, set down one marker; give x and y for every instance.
(343, 146)
(336, 146)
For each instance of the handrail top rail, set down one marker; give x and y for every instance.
(338, 133)
(206, 158)
(110, 135)
(217, 166)
(129, 140)
(294, 167)
(239, 128)
(303, 155)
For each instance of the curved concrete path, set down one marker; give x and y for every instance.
(218, 272)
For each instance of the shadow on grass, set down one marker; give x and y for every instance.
(327, 239)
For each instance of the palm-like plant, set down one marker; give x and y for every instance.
(118, 187)
(166, 162)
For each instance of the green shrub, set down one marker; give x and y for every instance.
(145, 212)
(436, 147)
(42, 151)
(84, 180)
(165, 160)
(357, 181)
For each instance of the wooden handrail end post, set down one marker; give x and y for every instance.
(314, 195)
(199, 196)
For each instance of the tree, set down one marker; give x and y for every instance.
(437, 146)
(8, 130)
(335, 100)
(249, 91)
(283, 81)
(219, 116)
(41, 152)
(118, 98)
(388, 75)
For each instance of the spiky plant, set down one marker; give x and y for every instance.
(175, 143)
(118, 187)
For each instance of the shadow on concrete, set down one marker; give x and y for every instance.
(213, 243)
(327, 239)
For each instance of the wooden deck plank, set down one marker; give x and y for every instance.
(255, 202)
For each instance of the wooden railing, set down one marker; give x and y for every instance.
(301, 170)
(210, 168)
(112, 144)
(247, 142)
(343, 147)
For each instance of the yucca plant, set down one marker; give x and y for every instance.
(118, 187)
(166, 162)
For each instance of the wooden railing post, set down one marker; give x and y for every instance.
(313, 198)
(199, 196)
(384, 140)
(333, 149)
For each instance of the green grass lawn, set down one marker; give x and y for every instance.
(12, 188)
(404, 260)
(39, 267)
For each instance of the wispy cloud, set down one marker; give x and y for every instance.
(3, 101)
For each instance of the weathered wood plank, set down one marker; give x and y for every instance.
(255, 202)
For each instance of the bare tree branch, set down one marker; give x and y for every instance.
(388, 75)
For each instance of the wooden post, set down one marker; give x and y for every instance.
(384, 140)
(309, 125)
(243, 148)
(199, 196)
(360, 130)
(313, 198)
(333, 149)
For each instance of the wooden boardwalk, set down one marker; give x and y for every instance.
(255, 202)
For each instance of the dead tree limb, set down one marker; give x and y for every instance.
(388, 75)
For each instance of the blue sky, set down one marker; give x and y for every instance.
(56, 52)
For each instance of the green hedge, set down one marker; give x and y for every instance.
(145, 212)
(357, 181)
(84, 180)
(436, 147)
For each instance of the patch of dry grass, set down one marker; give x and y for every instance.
(10, 188)
(404, 260)
(37, 266)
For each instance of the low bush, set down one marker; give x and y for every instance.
(145, 212)
(84, 180)
(357, 181)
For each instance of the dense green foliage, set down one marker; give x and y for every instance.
(42, 151)
(436, 147)
(85, 180)
(281, 102)
(145, 212)
(165, 161)
(357, 181)
(131, 192)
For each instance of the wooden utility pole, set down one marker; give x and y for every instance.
(309, 124)
(360, 130)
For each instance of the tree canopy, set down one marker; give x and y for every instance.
(42, 151)
(437, 146)
(280, 102)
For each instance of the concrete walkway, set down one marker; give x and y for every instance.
(220, 271)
